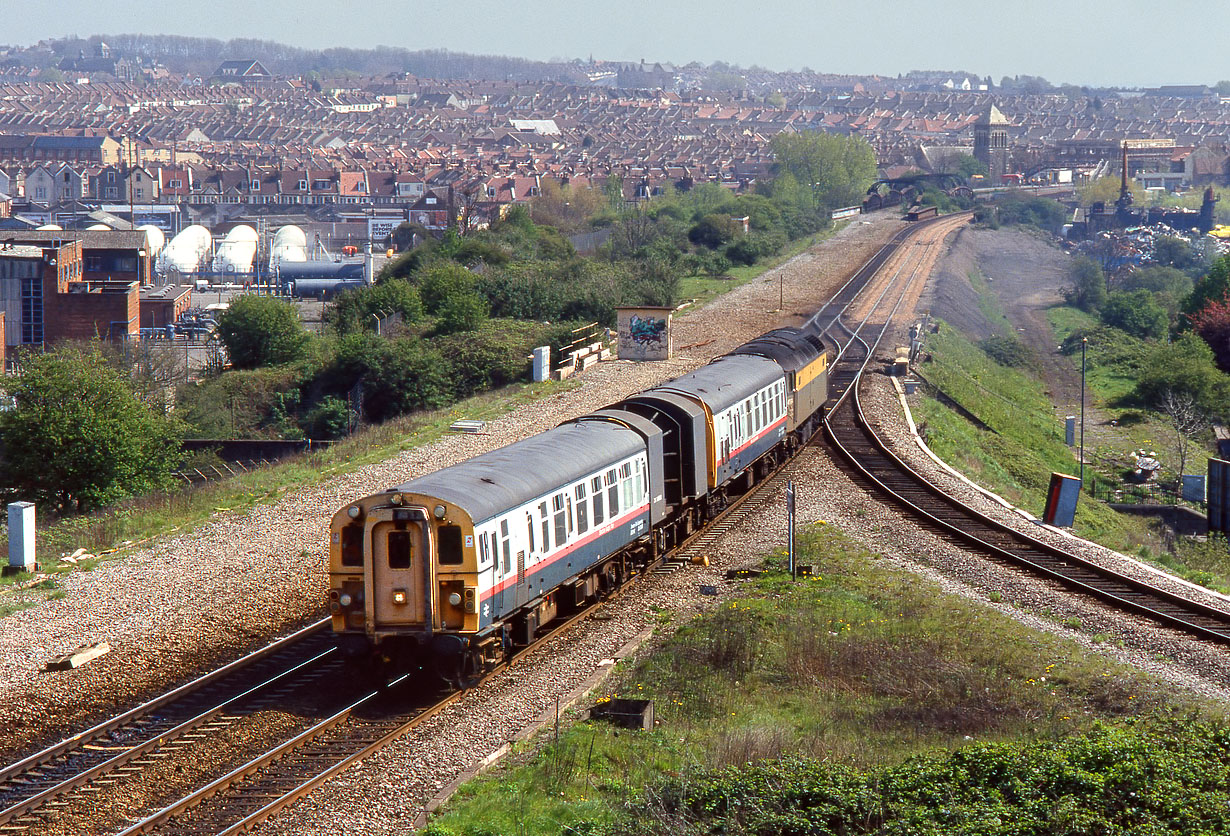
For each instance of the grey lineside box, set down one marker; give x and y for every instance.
(21, 536)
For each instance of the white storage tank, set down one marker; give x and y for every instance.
(289, 245)
(187, 251)
(155, 240)
(237, 251)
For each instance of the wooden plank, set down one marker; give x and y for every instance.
(78, 658)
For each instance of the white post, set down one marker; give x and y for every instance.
(21, 536)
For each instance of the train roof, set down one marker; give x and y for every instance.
(791, 348)
(492, 483)
(727, 380)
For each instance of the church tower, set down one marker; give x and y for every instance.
(991, 143)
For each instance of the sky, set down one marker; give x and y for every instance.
(1066, 41)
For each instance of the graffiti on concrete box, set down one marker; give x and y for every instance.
(644, 333)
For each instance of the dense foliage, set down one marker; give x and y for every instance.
(78, 436)
(261, 331)
(453, 315)
(1164, 777)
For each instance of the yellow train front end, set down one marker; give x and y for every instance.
(403, 578)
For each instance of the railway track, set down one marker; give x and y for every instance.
(853, 436)
(43, 783)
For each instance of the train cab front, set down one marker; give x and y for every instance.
(403, 585)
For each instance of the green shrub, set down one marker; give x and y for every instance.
(1007, 351)
(262, 331)
(1136, 312)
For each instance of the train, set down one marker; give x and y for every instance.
(452, 570)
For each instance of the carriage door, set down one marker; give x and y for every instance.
(401, 566)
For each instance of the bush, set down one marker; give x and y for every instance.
(77, 436)
(354, 309)
(1007, 351)
(1088, 289)
(443, 280)
(328, 419)
(262, 331)
(1135, 312)
(461, 312)
(1184, 367)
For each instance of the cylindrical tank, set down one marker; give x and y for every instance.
(289, 245)
(187, 250)
(155, 240)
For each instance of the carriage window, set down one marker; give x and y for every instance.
(640, 484)
(625, 484)
(399, 549)
(352, 545)
(561, 529)
(764, 408)
(595, 487)
(505, 546)
(546, 526)
(529, 526)
(582, 509)
(612, 494)
(448, 541)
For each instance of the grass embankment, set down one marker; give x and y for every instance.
(1021, 442)
(863, 700)
(137, 520)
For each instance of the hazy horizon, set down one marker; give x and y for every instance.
(1064, 42)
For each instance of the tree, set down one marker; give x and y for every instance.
(262, 331)
(1184, 367)
(565, 208)
(1212, 323)
(1136, 312)
(1088, 290)
(712, 231)
(833, 170)
(78, 437)
(968, 166)
(1106, 190)
(1212, 287)
(1186, 418)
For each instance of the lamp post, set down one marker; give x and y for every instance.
(1084, 345)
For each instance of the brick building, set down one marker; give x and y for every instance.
(45, 297)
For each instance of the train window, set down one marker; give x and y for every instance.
(561, 530)
(582, 514)
(399, 549)
(529, 526)
(640, 483)
(448, 542)
(546, 526)
(579, 490)
(612, 495)
(568, 502)
(595, 489)
(764, 408)
(505, 546)
(352, 545)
